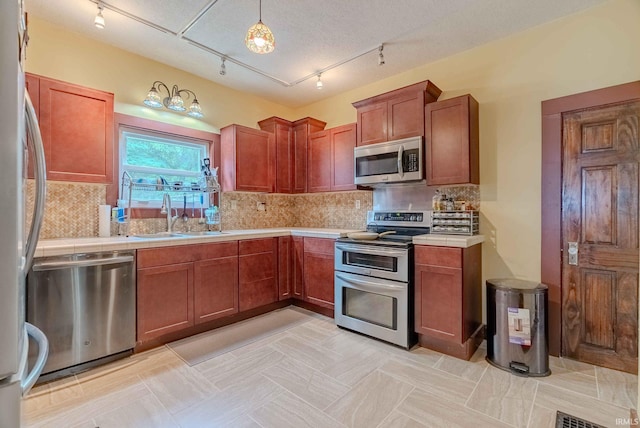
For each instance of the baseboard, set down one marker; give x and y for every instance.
(459, 350)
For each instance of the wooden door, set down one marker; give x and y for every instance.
(406, 116)
(600, 215)
(215, 288)
(165, 300)
(285, 267)
(372, 123)
(343, 141)
(319, 162)
(77, 132)
(452, 141)
(298, 267)
(258, 282)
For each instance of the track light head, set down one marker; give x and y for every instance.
(380, 55)
(99, 21)
(319, 84)
(223, 68)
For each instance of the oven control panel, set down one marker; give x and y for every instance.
(406, 218)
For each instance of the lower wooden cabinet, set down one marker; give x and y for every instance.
(448, 298)
(178, 287)
(298, 267)
(318, 271)
(165, 300)
(258, 268)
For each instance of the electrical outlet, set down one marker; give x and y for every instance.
(234, 204)
(357, 204)
(261, 206)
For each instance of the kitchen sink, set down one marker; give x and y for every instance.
(158, 235)
(203, 233)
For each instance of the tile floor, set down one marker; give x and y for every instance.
(316, 375)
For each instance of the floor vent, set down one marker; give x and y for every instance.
(567, 421)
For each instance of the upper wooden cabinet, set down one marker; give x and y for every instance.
(394, 115)
(77, 129)
(330, 159)
(248, 159)
(291, 150)
(452, 142)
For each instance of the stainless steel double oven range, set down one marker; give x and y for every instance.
(374, 278)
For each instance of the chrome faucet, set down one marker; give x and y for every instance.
(166, 209)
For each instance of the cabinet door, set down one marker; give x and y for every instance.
(372, 123)
(258, 272)
(299, 145)
(215, 288)
(248, 159)
(319, 162)
(452, 144)
(318, 271)
(165, 300)
(284, 158)
(285, 267)
(298, 267)
(343, 141)
(405, 116)
(438, 302)
(77, 132)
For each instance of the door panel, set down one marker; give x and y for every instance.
(600, 213)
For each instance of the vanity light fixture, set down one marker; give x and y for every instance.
(173, 100)
(380, 55)
(319, 84)
(99, 21)
(223, 68)
(259, 37)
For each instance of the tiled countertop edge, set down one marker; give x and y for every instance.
(64, 246)
(448, 240)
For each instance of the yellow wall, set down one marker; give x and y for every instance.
(510, 78)
(60, 54)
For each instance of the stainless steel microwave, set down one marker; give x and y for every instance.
(391, 162)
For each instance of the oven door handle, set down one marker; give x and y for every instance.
(371, 285)
(367, 250)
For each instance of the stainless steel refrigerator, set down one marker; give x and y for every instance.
(19, 134)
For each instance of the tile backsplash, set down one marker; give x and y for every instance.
(71, 211)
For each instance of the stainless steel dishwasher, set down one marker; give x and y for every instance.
(86, 306)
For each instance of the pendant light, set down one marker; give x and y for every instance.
(259, 37)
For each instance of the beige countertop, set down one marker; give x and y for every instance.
(63, 246)
(448, 240)
(56, 247)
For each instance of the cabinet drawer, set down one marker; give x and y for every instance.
(438, 256)
(319, 245)
(165, 256)
(221, 249)
(255, 246)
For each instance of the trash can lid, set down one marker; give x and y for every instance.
(516, 284)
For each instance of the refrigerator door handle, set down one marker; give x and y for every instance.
(33, 133)
(43, 351)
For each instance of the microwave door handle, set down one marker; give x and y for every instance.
(400, 156)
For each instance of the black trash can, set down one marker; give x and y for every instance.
(517, 330)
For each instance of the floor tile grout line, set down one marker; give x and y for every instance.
(395, 408)
(466, 402)
(533, 403)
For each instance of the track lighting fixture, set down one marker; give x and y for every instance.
(173, 100)
(99, 21)
(319, 84)
(223, 68)
(380, 55)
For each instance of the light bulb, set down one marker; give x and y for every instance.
(319, 84)
(99, 21)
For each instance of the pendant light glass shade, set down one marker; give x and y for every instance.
(153, 99)
(195, 110)
(176, 103)
(259, 37)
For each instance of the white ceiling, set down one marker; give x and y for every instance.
(311, 36)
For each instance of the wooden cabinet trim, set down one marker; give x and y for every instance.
(432, 91)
